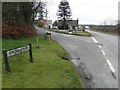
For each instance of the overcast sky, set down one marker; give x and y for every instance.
(87, 11)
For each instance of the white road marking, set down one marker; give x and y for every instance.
(95, 41)
(108, 61)
(99, 46)
(103, 52)
(111, 66)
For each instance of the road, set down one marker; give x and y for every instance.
(95, 58)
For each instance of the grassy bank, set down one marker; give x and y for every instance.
(0, 63)
(77, 33)
(49, 70)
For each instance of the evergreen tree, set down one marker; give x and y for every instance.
(55, 23)
(64, 12)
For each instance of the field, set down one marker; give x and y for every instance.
(107, 29)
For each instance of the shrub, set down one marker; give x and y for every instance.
(15, 31)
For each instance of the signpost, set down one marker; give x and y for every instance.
(12, 52)
(48, 35)
(37, 44)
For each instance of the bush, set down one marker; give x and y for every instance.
(15, 31)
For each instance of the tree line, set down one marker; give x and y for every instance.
(18, 18)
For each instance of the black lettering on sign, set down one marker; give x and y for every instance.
(12, 52)
(17, 51)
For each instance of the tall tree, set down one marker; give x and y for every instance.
(22, 12)
(39, 10)
(55, 23)
(17, 12)
(64, 12)
(17, 18)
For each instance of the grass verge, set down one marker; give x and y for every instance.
(49, 70)
(0, 63)
(77, 33)
(81, 33)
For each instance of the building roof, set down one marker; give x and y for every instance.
(73, 22)
(70, 22)
(64, 1)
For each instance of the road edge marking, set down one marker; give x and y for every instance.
(95, 41)
(111, 66)
(103, 52)
(99, 46)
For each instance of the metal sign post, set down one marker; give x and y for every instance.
(30, 53)
(7, 67)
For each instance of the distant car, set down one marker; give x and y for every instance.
(86, 27)
(55, 27)
(70, 32)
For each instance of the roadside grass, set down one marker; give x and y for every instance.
(49, 70)
(59, 31)
(110, 33)
(0, 63)
(77, 33)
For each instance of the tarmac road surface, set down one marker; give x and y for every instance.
(95, 58)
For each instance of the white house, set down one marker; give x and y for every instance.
(48, 24)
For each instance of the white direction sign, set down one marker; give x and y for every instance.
(17, 50)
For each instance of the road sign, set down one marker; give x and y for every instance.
(15, 51)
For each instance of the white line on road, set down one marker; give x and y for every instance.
(95, 41)
(108, 61)
(99, 46)
(103, 52)
(111, 66)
